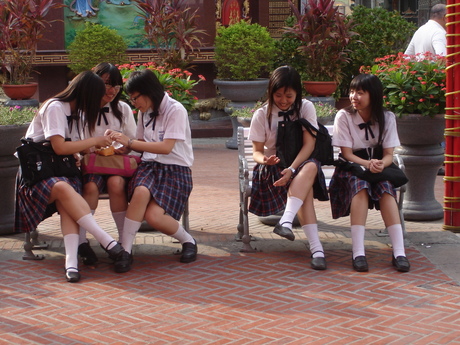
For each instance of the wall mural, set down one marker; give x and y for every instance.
(120, 15)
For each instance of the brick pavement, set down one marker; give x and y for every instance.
(228, 297)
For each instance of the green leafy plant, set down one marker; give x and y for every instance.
(178, 83)
(324, 110)
(171, 29)
(287, 50)
(324, 34)
(16, 115)
(381, 33)
(94, 44)
(243, 51)
(245, 112)
(413, 84)
(22, 25)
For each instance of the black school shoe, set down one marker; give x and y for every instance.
(284, 232)
(360, 264)
(87, 254)
(401, 263)
(318, 263)
(189, 252)
(122, 259)
(72, 276)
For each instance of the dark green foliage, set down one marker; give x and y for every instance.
(381, 33)
(95, 44)
(243, 51)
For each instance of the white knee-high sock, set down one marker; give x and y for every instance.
(293, 205)
(89, 223)
(316, 248)
(83, 232)
(119, 218)
(183, 236)
(130, 228)
(71, 249)
(357, 240)
(397, 239)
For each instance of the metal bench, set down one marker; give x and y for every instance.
(246, 164)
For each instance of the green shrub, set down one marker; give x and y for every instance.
(381, 33)
(243, 51)
(95, 44)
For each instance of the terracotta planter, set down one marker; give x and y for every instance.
(423, 155)
(24, 91)
(320, 88)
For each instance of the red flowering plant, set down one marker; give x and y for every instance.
(412, 84)
(178, 83)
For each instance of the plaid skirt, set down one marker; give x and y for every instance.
(170, 185)
(32, 202)
(99, 180)
(266, 199)
(344, 186)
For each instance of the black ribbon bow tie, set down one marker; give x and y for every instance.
(286, 114)
(101, 115)
(70, 119)
(367, 127)
(153, 119)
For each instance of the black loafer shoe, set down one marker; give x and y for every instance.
(401, 263)
(87, 254)
(114, 251)
(318, 264)
(360, 264)
(189, 252)
(284, 232)
(123, 262)
(71, 276)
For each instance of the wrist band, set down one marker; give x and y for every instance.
(130, 141)
(292, 169)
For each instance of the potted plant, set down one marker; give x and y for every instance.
(96, 43)
(22, 23)
(13, 126)
(325, 112)
(178, 83)
(414, 89)
(324, 34)
(243, 57)
(244, 114)
(381, 33)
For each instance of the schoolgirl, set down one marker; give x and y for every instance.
(361, 131)
(160, 188)
(64, 117)
(115, 115)
(272, 185)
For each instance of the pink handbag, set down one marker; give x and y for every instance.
(121, 165)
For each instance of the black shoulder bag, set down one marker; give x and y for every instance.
(289, 141)
(391, 173)
(38, 161)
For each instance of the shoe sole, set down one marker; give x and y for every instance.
(122, 269)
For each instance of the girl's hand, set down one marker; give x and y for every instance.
(272, 160)
(287, 174)
(376, 165)
(103, 141)
(119, 138)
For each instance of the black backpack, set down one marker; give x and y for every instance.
(323, 151)
(289, 141)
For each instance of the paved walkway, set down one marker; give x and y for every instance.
(228, 297)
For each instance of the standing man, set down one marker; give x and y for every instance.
(431, 37)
